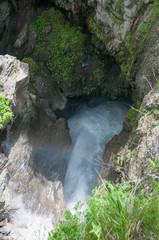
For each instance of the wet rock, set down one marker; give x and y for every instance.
(36, 166)
(48, 93)
(14, 22)
(32, 176)
(21, 37)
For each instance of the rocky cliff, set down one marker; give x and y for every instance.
(112, 50)
(128, 30)
(34, 150)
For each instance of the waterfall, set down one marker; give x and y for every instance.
(91, 127)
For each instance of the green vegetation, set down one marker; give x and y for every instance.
(94, 26)
(118, 13)
(131, 47)
(33, 67)
(126, 55)
(115, 211)
(144, 31)
(1, 84)
(60, 47)
(98, 74)
(34, 70)
(5, 111)
(133, 114)
(154, 110)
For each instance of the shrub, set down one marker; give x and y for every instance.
(5, 111)
(114, 212)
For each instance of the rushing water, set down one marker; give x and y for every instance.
(91, 127)
(35, 198)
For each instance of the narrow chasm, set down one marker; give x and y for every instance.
(68, 102)
(92, 126)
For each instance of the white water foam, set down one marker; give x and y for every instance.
(90, 128)
(25, 225)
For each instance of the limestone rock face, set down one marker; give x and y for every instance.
(14, 76)
(117, 19)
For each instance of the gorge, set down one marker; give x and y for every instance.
(77, 68)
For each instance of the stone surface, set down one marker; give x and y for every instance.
(127, 153)
(14, 76)
(31, 185)
(24, 172)
(32, 174)
(117, 21)
(15, 17)
(48, 93)
(145, 70)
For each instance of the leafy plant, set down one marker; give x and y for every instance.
(5, 111)
(114, 212)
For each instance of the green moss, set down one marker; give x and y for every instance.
(126, 56)
(98, 74)
(132, 115)
(60, 48)
(117, 13)
(94, 26)
(117, 91)
(34, 70)
(33, 67)
(130, 47)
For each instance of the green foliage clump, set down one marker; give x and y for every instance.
(60, 47)
(5, 111)
(94, 26)
(33, 67)
(114, 212)
(34, 70)
(98, 74)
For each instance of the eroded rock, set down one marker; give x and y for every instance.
(32, 174)
(14, 77)
(127, 153)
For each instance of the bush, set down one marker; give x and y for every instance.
(5, 112)
(114, 212)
